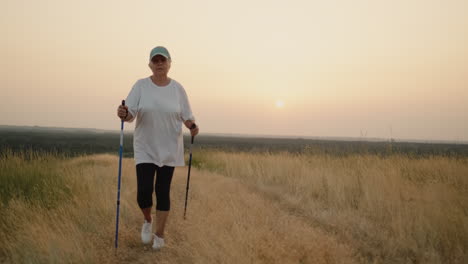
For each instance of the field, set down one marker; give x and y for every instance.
(251, 201)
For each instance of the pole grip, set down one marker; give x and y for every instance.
(123, 103)
(192, 127)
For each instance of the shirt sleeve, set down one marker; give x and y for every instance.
(133, 101)
(186, 110)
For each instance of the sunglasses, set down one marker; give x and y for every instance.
(158, 59)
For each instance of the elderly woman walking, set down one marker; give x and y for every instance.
(160, 106)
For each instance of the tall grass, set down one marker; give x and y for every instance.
(30, 176)
(395, 209)
(285, 208)
(226, 221)
(53, 209)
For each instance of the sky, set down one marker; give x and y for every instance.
(333, 68)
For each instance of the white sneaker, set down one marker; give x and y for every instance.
(158, 242)
(146, 232)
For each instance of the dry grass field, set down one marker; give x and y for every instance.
(392, 210)
(243, 208)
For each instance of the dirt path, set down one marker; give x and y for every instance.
(229, 223)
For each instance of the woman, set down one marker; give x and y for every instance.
(160, 106)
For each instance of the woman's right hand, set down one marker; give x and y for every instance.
(122, 112)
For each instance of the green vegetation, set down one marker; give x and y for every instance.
(69, 142)
(32, 177)
(74, 142)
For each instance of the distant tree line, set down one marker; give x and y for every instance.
(72, 143)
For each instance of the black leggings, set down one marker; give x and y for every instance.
(145, 180)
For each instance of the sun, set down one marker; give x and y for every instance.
(279, 104)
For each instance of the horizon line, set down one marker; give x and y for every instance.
(245, 135)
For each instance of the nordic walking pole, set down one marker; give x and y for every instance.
(188, 176)
(118, 185)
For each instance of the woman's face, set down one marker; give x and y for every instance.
(160, 65)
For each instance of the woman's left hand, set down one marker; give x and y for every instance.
(194, 131)
(190, 124)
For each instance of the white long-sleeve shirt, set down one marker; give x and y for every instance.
(160, 112)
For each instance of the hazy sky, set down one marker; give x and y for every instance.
(309, 68)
